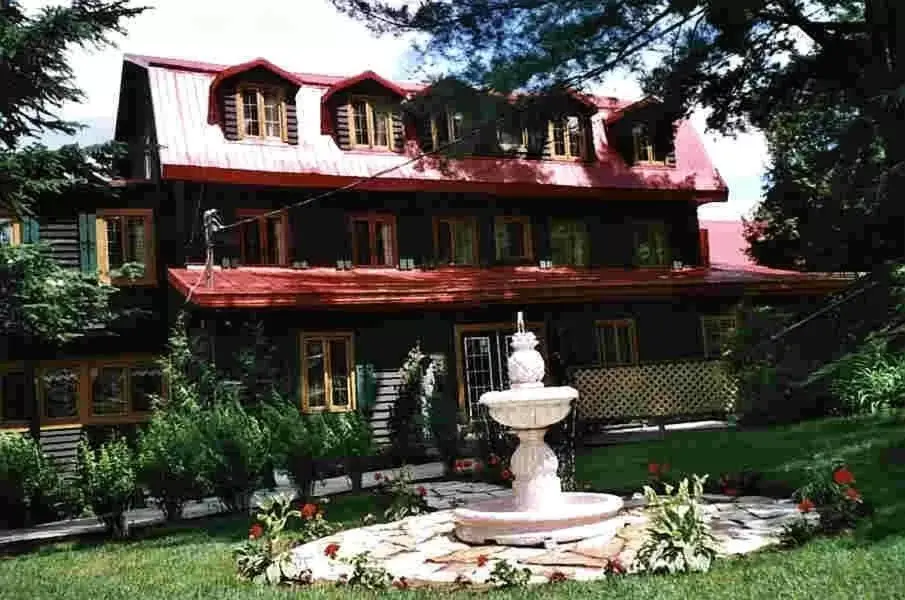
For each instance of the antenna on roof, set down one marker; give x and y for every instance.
(212, 224)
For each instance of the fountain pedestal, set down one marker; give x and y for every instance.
(538, 511)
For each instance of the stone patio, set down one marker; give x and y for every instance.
(424, 551)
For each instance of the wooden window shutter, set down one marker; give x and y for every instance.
(87, 243)
(31, 233)
(103, 258)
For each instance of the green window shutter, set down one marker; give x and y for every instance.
(30, 231)
(88, 242)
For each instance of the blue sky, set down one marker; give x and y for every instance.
(309, 35)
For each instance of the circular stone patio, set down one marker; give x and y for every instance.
(424, 550)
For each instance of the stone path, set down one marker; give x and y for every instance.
(424, 550)
(211, 506)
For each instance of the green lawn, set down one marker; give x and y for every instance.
(195, 562)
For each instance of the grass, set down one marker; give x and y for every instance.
(194, 561)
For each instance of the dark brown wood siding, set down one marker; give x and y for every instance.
(230, 113)
(62, 234)
(342, 125)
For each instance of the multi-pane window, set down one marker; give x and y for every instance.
(512, 134)
(569, 242)
(567, 137)
(126, 236)
(327, 368)
(456, 240)
(716, 331)
(513, 239)
(12, 397)
(371, 124)
(651, 244)
(123, 389)
(643, 144)
(617, 342)
(59, 389)
(446, 127)
(262, 112)
(10, 232)
(374, 240)
(264, 240)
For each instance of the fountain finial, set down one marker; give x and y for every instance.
(520, 322)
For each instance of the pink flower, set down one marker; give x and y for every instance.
(331, 550)
(506, 474)
(255, 532)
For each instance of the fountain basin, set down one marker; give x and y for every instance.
(530, 407)
(575, 516)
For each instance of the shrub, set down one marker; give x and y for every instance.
(236, 448)
(170, 452)
(507, 575)
(679, 539)
(262, 558)
(107, 480)
(30, 486)
(867, 380)
(407, 423)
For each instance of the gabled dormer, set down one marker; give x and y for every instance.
(364, 113)
(255, 101)
(643, 134)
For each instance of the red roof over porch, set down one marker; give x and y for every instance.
(384, 289)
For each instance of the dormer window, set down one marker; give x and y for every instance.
(512, 135)
(262, 112)
(446, 127)
(643, 144)
(567, 137)
(372, 124)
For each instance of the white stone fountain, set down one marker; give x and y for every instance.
(539, 511)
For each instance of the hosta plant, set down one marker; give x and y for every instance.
(679, 538)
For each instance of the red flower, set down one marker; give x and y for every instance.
(467, 464)
(255, 531)
(482, 560)
(843, 476)
(422, 491)
(556, 577)
(493, 460)
(615, 566)
(806, 505)
(401, 584)
(653, 469)
(506, 474)
(853, 494)
(331, 550)
(309, 510)
(378, 476)
(730, 492)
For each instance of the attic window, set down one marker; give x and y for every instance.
(372, 124)
(568, 138)
(643, 143)
(261, 112)
(446, 127)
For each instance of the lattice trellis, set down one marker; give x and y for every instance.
(654, 390)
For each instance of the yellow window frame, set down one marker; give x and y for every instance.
(567, 138)
(449, 121)
(103, 246)
(15, 230)
(324, 337)
(259, 91)
(371, 108)
(631, 329)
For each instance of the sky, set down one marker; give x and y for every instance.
(311, 36)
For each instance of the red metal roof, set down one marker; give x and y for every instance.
(192, 148)
(364, 76)
(459, 287)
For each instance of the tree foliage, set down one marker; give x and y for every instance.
(834, 67)
(37, 81)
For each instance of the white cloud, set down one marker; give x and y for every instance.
(311, 36)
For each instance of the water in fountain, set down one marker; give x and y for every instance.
(538, 511)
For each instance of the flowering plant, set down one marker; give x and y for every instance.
(834, 496)
(405, 500)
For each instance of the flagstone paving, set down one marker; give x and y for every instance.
(425, 551)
